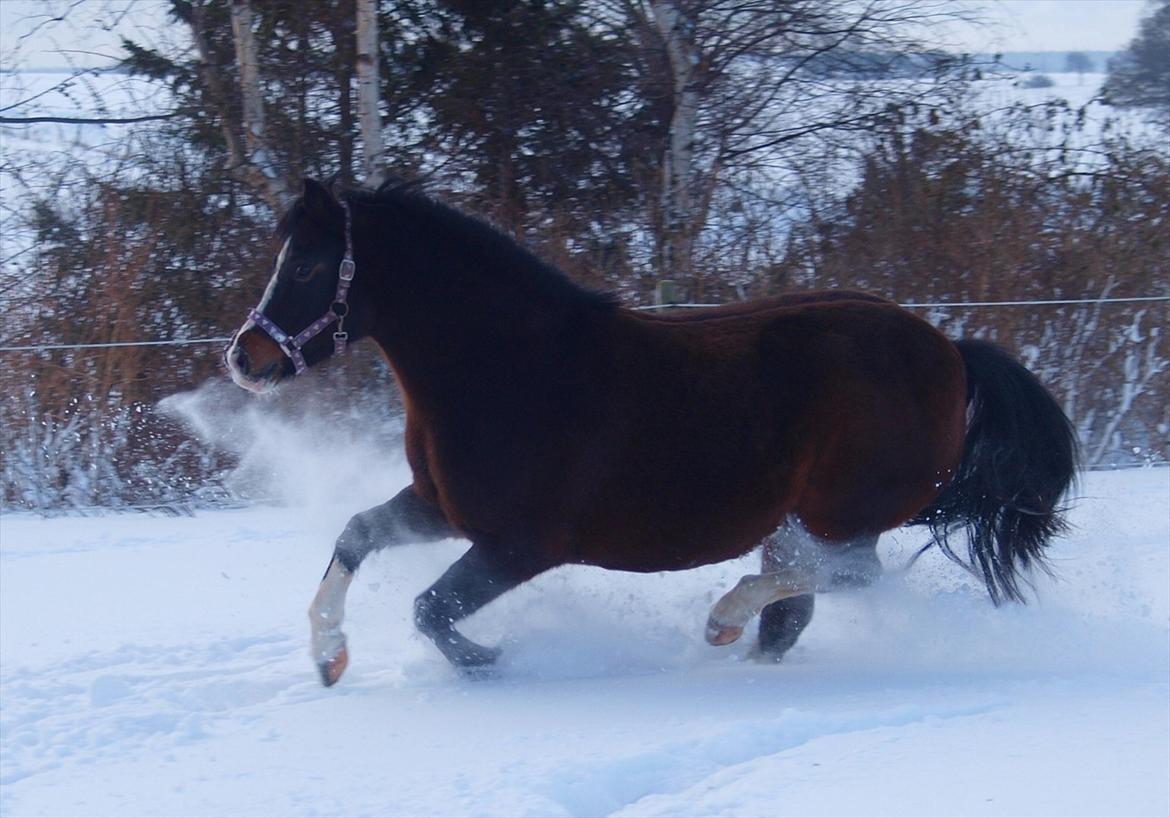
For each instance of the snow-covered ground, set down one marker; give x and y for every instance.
(157, 666)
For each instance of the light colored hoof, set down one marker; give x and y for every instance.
(332, 669)
(722, 634)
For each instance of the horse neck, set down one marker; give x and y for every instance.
(458, 302)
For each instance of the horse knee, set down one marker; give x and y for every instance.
(430, 614)
(354, 543)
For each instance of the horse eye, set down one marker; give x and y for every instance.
(303, 271)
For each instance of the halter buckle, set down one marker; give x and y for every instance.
(346, 270)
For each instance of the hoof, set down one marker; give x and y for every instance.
(476, 659)
(722, 634)
(766, 657)
(332, 669)
(479, 673)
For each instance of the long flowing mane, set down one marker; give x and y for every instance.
(509, 261)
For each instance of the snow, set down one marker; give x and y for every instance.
(158, 666)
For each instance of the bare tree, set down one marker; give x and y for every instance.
(753, 86)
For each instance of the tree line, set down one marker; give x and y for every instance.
(737, 148)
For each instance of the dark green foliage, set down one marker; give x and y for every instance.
(539, 111)
(1140, 76)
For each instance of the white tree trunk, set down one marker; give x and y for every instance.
(369, 120)
(678, 164)
(257, 153)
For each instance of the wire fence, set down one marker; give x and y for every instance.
(174, 342)
(46, 347)
(941, 304)
(138, 483)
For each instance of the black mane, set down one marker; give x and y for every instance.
(511, 260)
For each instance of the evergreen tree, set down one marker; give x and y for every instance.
(1140, 76)
(1079, 63)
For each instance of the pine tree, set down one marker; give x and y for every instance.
(1140, 76)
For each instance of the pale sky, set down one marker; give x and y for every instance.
(1054, 25)
(88, 33)
(75, 33)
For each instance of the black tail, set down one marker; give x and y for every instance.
(1019, 459)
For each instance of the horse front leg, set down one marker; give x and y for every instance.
(406, 518)
(326, 640)
(485, 572)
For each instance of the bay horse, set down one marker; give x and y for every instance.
(548, 425)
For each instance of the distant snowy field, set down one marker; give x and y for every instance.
(158, 666)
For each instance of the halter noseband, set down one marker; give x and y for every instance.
(291, 344)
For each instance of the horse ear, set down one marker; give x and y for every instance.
(320, 203)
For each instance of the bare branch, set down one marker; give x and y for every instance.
(74, 120)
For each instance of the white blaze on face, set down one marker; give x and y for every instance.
(264, 299)
(238, 376)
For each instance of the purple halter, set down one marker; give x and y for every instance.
(291, 344)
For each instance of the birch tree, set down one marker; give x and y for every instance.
(251, 160)
(369, 92)
(680, 220)
(755, 88)
(257, 164)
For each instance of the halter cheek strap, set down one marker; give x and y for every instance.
(292, 344)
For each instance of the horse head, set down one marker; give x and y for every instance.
(307, 295)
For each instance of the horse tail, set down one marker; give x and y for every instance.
(1019, 460)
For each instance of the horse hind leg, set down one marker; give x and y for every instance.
(405, 518)
(782, 623)
(796, 565)
(730, 615)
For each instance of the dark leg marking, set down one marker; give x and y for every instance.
(405, 518)
(781, 624)
(835, 566)
(474, 580)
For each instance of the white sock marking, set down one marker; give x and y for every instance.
(326, 613)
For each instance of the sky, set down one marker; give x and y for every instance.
(88, 34)
(1055, 25)
(74, 33)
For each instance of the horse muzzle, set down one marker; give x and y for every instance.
(255, 362)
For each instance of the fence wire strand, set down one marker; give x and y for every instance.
(909, 305)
